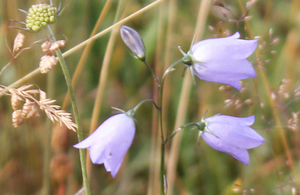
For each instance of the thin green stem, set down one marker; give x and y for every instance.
(76, 114)
(47, 150)
(163, 183)
(153, 73)
(144, 101)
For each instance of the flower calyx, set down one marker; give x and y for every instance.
(187, 58)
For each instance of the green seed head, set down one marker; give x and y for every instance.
(39, 16)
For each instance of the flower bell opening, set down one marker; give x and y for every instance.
(222, 60)
(109, 143)
(232, 135)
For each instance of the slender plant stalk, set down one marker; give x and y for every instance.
(153, 181)
(184, 97)
(47, 150)
(163, 189)
(76, 114)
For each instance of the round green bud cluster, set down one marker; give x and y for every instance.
(39, 16)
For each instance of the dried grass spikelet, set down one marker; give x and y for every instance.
(46, 48)
(61, 167)
(43, 95)
(26, 108)
(14, 101)
(57, 45)
(17, 118)
(18, 42)
(53, 112)
(29, 109)
(47, 63)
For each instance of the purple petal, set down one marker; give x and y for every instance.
(133, 41)
(110, 142)
(236, 135)
(97, 154)
(240, 154)
(226, 71)
(223, 48)
(247, 121)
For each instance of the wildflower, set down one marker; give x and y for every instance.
(222, 60)
(134, 42)
(110, 141)
(39, 16)
(231, 135)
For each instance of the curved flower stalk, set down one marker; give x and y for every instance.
(110, 141)
(222, 60)
(231, 135)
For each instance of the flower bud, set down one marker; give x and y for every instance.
(134, 42)
(39, 16)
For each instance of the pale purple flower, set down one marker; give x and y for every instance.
(133, 41)
(223, 60)
(110, 141)
(231, 135)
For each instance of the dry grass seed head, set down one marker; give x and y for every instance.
(17, 118)
(14, 101)
(18, 42)
(46, 105)
(47, 63)
(29, 109)
(46, 48)
(57, 45)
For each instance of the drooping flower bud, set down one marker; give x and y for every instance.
(134, 42)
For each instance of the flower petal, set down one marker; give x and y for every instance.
(115, 158)
(97, 154)
(217, 144)
(232, 120)
(110, 142)
(239, 136)
(223, 48)
(227, 71)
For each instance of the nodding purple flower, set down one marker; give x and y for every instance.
(134, 42)
(231, 135)
(222, 60)
(109, 143)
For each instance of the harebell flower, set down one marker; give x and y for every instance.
(222, 60)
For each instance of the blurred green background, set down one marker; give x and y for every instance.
(273, 167)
